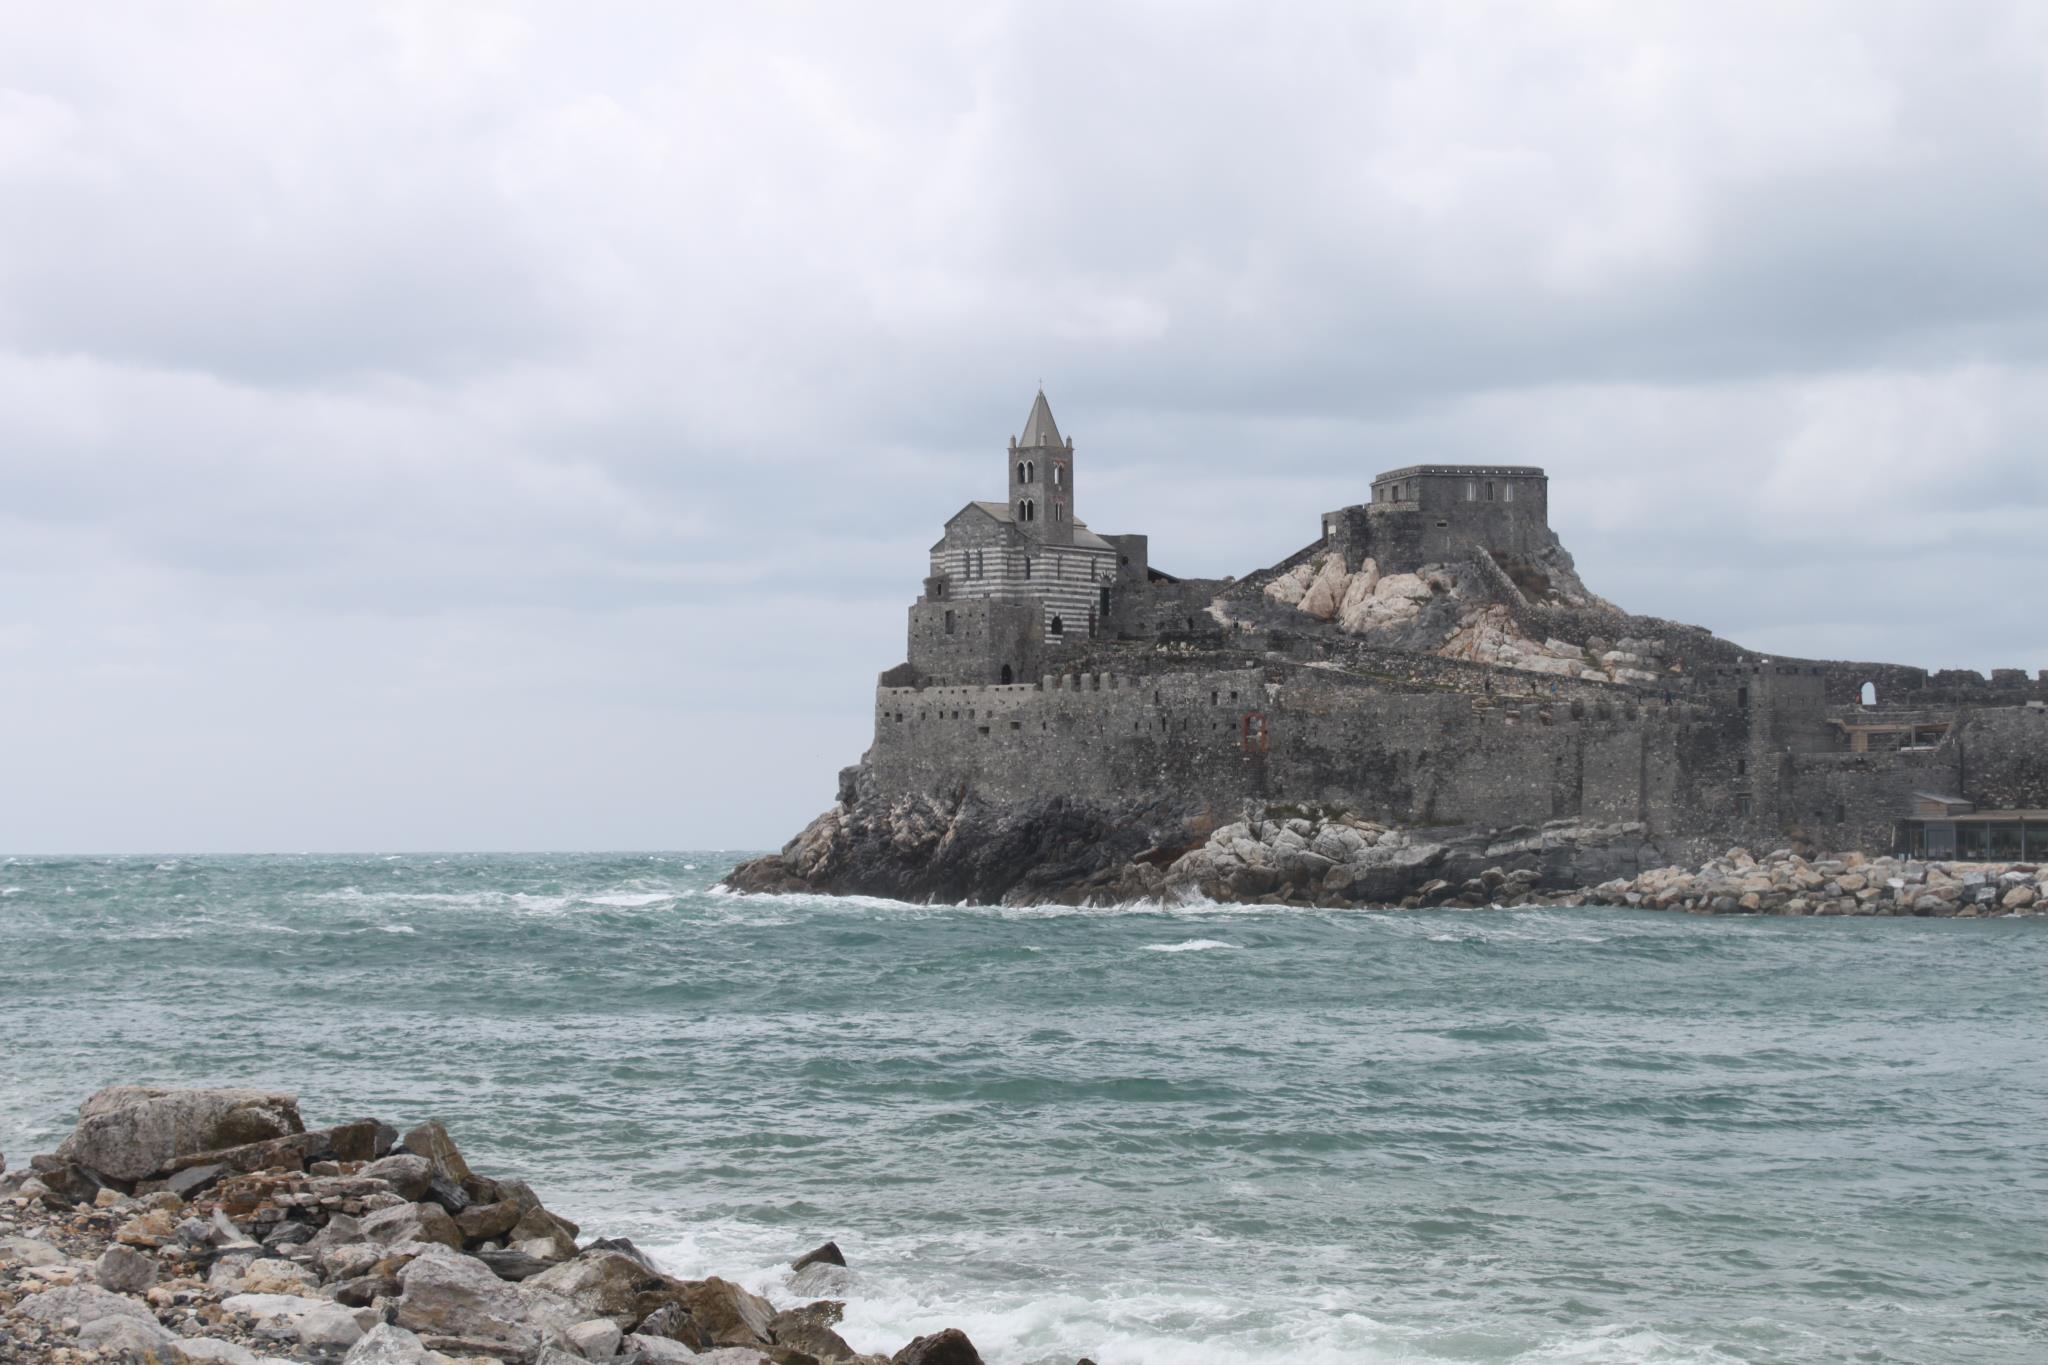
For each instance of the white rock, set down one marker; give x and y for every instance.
(131, 1340)
(661, 1350)
(331, 1329)
(29, 1251)
(213, 1348)
(82, 1304)
(271, 1275)
(597, 1339)
(387, 1345)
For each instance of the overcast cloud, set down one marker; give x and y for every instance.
(519, 427)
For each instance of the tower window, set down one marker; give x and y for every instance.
(949, 623)
(1489, 490)
(1020, 472)
(1027, 567)
(1059, 476)
(1059, 627)
(1507, 492)
(1031, 471)
(1471, 490)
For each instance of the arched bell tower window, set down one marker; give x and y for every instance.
(1059, 627)
(1020, 472)
(1059, 477)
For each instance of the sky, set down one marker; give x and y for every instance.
(507, 427)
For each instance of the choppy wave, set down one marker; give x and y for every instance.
(1188, 1134)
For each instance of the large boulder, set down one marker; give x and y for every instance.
(950, 1347)
(82, 1304)
(131, 1342)
(132, 1132)
(411, 1223)
(605, 1284)
(455, 1304)
(724, 1312)
(810, 1329)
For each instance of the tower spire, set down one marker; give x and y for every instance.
(1039, 428)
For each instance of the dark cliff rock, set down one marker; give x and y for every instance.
(966, 849)
(1067, 850)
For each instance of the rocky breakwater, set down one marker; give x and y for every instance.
(1785, 883)
(182, 1226)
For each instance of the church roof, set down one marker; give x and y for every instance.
(1039, 429)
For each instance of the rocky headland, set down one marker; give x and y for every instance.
(182, 1226)
(1063, 851)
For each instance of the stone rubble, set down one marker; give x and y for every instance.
(1784, 883)
(351, 1245)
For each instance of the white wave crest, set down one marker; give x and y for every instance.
(1193, 945)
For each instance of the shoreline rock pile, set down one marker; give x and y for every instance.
(1784, 883)
(182, 1226)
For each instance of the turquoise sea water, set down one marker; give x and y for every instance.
(1213, 1135)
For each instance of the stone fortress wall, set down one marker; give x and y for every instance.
(1176, 699)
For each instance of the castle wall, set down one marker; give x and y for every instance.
(971, 640)
(1215, 740)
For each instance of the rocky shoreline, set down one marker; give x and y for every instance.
(1074, 852)
(182, 1226)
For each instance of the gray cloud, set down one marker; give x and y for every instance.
(479, 425)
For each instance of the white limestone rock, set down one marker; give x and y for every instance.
(131, 1132)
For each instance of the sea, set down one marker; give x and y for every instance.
(1148, 1136)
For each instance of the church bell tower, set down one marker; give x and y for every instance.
(1042, 478)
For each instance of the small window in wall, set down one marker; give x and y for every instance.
(1742, 697)
(1869, 694)
(1027, 567)
(1489, 490)
(1742, 767)
(1059, 627)
(1009, 676)
(1091, 623)
(1842, 814)
(1742, 803)
(1471, 490)
(949, 623)
(1020, 471)
(1059, 476)
(1507, 492)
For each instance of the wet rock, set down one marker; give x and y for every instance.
(950, 1347)
(673, 1322)
(124, 1270)
(132, 1132)
(810, 1329)
(828, 1254)
(726, 1313)
(449, 1195)
(607, 1284)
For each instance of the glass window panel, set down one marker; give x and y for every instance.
(2005, 843)
(1970, 842)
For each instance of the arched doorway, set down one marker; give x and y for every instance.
(1869, 694)
(1009, 676)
